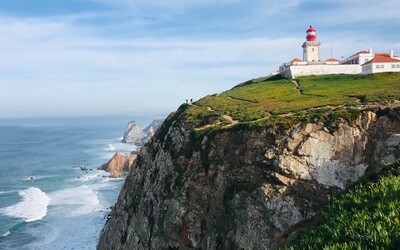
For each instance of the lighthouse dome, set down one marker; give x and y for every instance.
(311, 34)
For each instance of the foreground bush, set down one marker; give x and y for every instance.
(365, 217)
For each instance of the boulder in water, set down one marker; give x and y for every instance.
(119, 165)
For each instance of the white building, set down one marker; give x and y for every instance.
(359, 58)
(364, 62)
(312, 64)
(382, 63)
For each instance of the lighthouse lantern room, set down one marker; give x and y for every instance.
(311, 51)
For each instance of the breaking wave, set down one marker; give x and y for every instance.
(32, 207)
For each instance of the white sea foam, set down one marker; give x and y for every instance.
(8, 192)
(32, 207)
(6, 234)
(111, 147)
(69, 233)
(121, 147)
(89, 177)
(74, 201)
(34, 178)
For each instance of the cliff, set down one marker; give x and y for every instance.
(213, 178)
(118, 165)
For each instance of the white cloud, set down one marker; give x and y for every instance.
(48, 67)
(59, 65)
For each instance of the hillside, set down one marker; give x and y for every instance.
(273, 97)
(250, 167)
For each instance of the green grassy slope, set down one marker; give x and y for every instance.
(270, 97)
(367, 216)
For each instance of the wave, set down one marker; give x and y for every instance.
(34, 178)
(121, 147)
(6, 234)
(75, 201)
(69, 233)
(33, 206)
(8, 192)
(89, 177)
(111, 147)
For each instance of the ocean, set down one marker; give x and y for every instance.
(46, 200)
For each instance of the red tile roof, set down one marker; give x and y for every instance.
(296, 60)
(384, 54)
(382, 58)
(360, 52)
(332, 60)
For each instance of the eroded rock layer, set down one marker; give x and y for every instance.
(242, 188)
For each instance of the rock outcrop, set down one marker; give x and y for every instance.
(119, 165)
(151, 129)
(153, 126)
(242, 188)
(133, 134)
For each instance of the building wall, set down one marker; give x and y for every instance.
(358, 59)
(363, 58)
(380, 67)
(286, 73)
(296, 71)
(312, 53)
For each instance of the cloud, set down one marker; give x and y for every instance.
(52, 66)
(129, 61)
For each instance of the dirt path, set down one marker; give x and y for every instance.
(242, 100)
(381, 105)
(297, 83)
(229, 118)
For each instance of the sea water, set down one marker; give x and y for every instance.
(46, 200)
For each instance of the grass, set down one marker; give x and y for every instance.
(263, 97)
(367, 216)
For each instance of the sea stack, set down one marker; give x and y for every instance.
(133, 134)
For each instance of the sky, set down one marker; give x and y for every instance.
(129, 57)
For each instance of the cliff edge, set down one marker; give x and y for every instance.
(245, 177)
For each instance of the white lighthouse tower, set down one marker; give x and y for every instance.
(311, 51)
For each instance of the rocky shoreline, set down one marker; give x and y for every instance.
(119, 165)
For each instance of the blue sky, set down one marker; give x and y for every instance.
(125, 57)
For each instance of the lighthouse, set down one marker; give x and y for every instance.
(311, 52)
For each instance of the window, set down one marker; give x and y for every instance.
(393, 66)
(398, 66)
(366, 60)
(312, 49)
(382, 66)
(377, 66)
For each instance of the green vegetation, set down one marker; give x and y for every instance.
(267, 98)
(367, 216)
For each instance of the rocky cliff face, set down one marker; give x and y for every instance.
(242, 189)
(119, 165)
